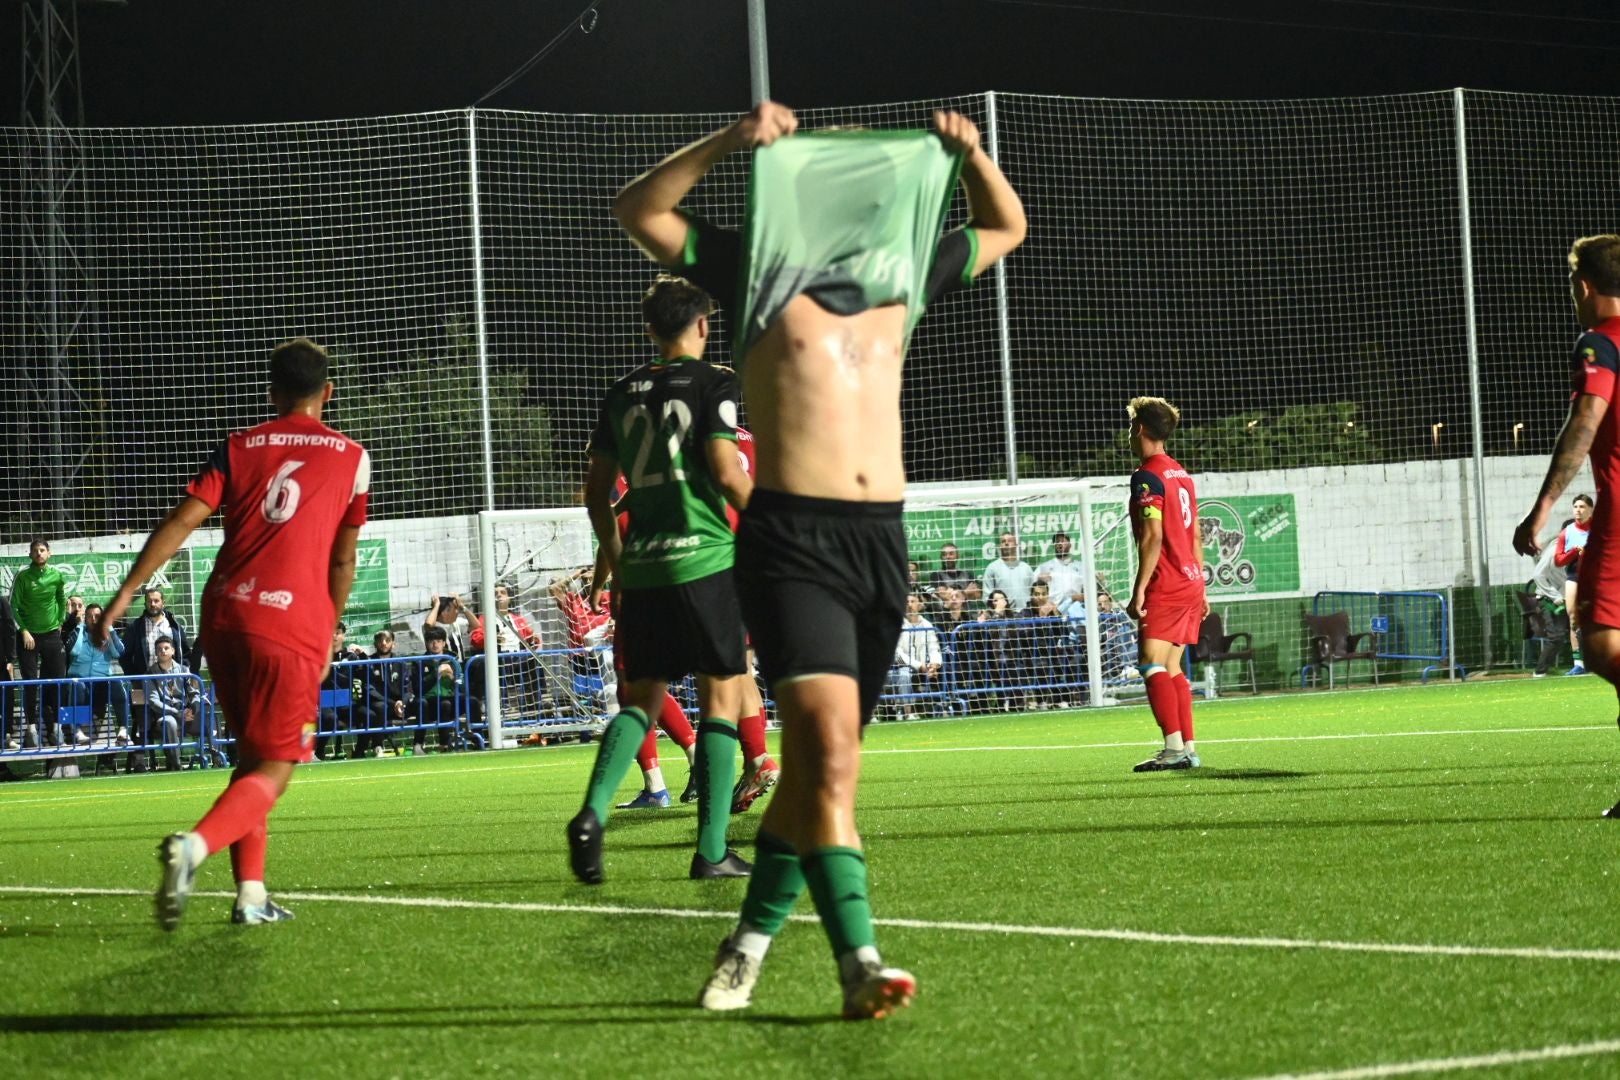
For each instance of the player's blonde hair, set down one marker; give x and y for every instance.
(1154, 415)
(1597, 259)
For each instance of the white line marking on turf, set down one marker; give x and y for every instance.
(1139, 936)
(1478, 1061)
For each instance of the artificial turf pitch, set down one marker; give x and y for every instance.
(1032, 866)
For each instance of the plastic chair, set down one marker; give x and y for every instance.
(1332, 644)
(1215, 646)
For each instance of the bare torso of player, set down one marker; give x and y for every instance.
(823, 394)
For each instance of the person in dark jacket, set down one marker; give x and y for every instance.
(140, 635)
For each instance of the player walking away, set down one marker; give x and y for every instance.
(671, 426)
(844, 253)
(1594, 285)
(1168, 601)
(294, 495)
(1567, 554)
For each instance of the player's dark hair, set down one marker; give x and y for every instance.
(1585, 498)
(299, 368)
(1155, 416)
(671, 304)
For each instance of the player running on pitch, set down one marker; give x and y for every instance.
(1168, 601)
(1592, 428)
(671, 426)
(294, 494)
(843, 252)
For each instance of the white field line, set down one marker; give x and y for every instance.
(1478, 1061)
(1573, 728)
(1607, 956)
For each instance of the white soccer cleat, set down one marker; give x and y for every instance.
(878, 992)
(731, 987)
(175, 887)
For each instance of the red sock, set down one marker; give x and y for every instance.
(751, 733)
(647, 756)
(1184, 705)
(247, 856)
(1162, 699)
(675, 724)
(240, 808)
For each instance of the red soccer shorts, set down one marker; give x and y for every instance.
(1167, 620)
(269, 694)
(1597, 592)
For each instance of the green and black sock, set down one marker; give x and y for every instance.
(716, 770)
(614, 756)
(837, 880)
(775, 885)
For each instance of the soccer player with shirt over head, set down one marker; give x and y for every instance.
(842, 252)
(1168, 601)
(1592, 428)
(294, 495)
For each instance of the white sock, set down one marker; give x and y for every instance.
(852, 964)
(1189, 746)
(1172, 742)
(654, 779)
(194, 847)
(750, 942)
(250, 894)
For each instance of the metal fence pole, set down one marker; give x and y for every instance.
(992, 132)
(759, 59)
(1482, 563)
(486, 538)
(1088, 586)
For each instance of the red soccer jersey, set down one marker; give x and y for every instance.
(286, 487)
(1161, 489)
(1593, 370)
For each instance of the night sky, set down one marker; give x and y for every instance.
(207, 62)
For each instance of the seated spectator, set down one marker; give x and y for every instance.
(86, 661)
(436, 686)
(74, 620)
(1046, 650)
(335, 720)
(990, 652)
(1064, 577)
(917, 658)
(523, 678)
(389, 695)
(448, 613)
(172, 703)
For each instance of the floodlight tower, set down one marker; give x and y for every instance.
(57, 290)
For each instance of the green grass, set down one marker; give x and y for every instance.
(1482, 830)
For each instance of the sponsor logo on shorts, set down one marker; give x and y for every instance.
(309, 734)
(280, 599)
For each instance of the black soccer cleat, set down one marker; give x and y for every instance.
(1613, 812)
(1164, 761)
(733, 865)
(691, 792)
(585, 847)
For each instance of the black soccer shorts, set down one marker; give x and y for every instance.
(823, 587)
(672, 631)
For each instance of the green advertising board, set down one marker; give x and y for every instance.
(1251, 542)
(95, 577)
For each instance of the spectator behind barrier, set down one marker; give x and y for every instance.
(437, 684)
(917, 658)
(86, 661)
(140, 635)
(388, 696)
(171, 704)
(1011, 574)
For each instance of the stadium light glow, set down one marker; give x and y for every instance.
(1518, 429)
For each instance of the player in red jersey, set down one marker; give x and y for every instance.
(1592, 428)
(294, 496)
(1168, 601)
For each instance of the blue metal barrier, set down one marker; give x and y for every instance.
(139, 716)
(1406, 625)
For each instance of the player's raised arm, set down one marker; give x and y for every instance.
(997, 211)
(180, 522)
(646, 208)
(1586, 413)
